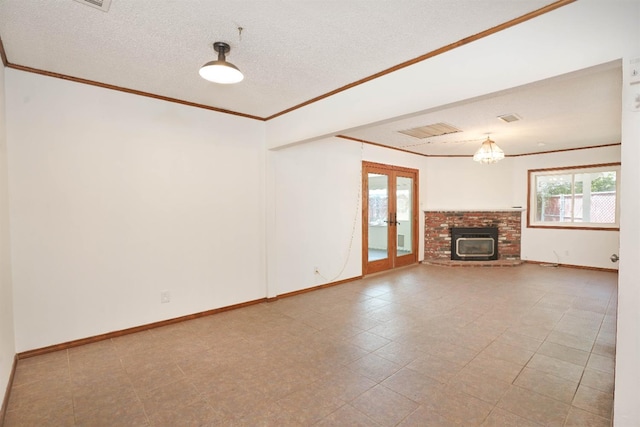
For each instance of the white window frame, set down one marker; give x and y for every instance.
(570, 170)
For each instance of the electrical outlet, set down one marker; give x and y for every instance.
(165, 297)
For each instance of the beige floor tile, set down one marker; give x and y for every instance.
(534, 407)
(484, 387)
(263, 417)
(607, 333)
(604, 349)
(34, 392)
(41, 414)
(557, 367)
(519, 340)
(413, 385)
(601, 363)
(94, 399)
(425, 416)
(594, 401)
(457, 354)
(580, 326)
(579, 418)
(496, 368)
(460, 407)
(570, 340)
(472, 340)
(374, 367)
(176, 395)
(501, 418)
(436, 368)
(562, 352)
(507, 352)
(400, 353)
(533, 331)
(586, 314)
(345, 384)
(347, 415)
(603, 381)
(198, 413)
(148, 378)
(549, 385)
(141, 342)
(339, 355)
(595, 305)
(384, 406)
(124, 413)
(368, 341)
(42, 368)
(308, 406)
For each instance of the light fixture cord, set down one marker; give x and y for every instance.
(355, 223)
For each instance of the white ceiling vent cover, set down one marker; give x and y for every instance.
(508, 118)
(103, 5)
(436, 129)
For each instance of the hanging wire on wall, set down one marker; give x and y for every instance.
(355, 223)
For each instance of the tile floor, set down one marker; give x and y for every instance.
(422, 346)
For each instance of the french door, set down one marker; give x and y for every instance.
(389, 217)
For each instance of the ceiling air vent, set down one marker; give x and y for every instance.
(508, 118)
(430, 130)
(103, 5)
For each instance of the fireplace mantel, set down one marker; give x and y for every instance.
(514, 209)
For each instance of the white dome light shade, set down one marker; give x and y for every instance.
(489, 152)
(221, 71)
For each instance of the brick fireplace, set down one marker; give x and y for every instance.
(438, 224)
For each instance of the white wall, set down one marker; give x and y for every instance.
(116, 197)
(461, 183)
(7, 340)
(591, 248)
(317, 213)
(627, 384)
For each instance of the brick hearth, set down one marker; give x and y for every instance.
(437, 233)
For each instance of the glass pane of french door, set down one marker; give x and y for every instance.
(378, 240)
(404, 216)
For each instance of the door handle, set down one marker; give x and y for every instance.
(614, 258)
(392, 219)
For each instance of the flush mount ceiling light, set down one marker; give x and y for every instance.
(489, 152)
(221, 71)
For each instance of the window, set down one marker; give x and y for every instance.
(378, 207)
(577, 197)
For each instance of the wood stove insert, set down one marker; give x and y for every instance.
(474, 244)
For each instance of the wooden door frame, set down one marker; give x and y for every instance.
(392, 170)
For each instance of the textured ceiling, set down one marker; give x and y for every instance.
(294, 51)
(290, 51)
(580, 109)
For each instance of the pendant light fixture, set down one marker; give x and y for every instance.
(489, 152)
(221, 71)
